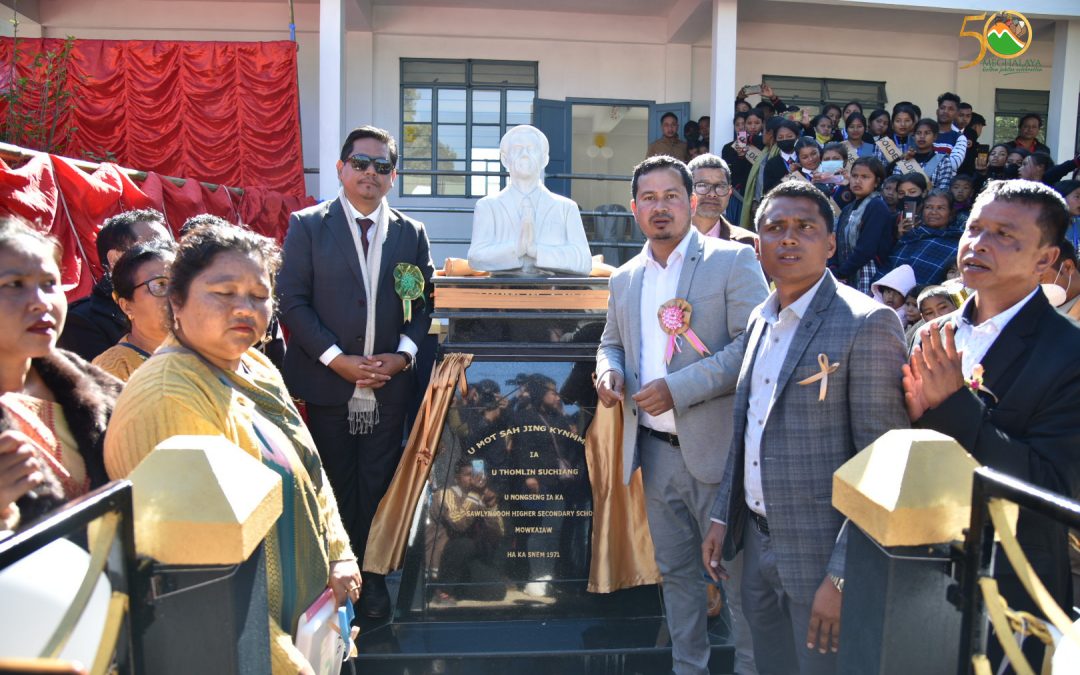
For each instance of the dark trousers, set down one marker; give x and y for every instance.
(360, 467)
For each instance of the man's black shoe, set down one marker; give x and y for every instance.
(374, 597)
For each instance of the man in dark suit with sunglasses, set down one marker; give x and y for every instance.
(352, 268)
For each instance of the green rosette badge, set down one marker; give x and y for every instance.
(409, 286)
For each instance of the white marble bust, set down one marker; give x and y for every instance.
(526, 229)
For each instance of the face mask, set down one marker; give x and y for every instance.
(1055, 294)
(787, 146)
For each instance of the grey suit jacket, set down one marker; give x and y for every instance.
(320, 291)
(806, 440)
(723, 282)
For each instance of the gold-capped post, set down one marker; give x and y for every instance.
(201, 500)
(910, 487)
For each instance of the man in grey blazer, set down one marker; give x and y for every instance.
(676, 425)
(345, 336)
(820, 381)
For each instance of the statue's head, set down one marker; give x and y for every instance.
(524, 152)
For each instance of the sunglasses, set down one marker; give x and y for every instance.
(383, 166)
(157, 286)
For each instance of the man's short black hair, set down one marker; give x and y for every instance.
(964, 105)
(658, 162)
(740, 116)
(1035, 116)
(766, 104)
(802, 190)
(709, 161)
(1053, 211)
(1068, 252)
(704, 118)
(978, 119)
(367, 131)
(118, 234)
(965, 177)
(948, 96)
(671, 115)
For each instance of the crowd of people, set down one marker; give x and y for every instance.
(180, 337)
(919, 279)
(802, 296)
(901, 185)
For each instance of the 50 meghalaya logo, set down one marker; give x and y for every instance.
(1006, 34)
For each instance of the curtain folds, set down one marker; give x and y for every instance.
(219, 112)
(66, 202)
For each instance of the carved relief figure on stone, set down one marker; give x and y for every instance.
(525, 229)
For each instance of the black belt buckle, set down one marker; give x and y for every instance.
(760, 522)
(670, 439)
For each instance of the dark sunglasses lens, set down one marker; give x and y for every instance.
(362, 162)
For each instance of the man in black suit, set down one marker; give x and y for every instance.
(1025, 419)
(352, 267)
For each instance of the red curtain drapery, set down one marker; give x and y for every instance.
(219, 112)
(71, 205)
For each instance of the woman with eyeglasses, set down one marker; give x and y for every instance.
(53, 405)
(140, 286)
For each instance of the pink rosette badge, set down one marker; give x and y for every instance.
(674, 316)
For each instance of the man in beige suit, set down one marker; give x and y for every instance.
(677, 428)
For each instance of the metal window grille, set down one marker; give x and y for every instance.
(812, 93)
(1012, 104)
(453, 114)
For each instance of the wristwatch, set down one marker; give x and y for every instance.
(409, 360)
(837, 581)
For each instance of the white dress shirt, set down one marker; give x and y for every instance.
(659, 284)
(974, 341)
(775, 340)
(375, 236)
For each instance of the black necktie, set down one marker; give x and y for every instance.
(365, 225)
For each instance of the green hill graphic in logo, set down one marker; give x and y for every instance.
(1002, 41)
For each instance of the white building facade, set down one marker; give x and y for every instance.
(446, 77)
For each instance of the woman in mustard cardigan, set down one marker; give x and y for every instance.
(207, 380)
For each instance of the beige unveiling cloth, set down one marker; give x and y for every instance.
(622, 548)
(390, 528)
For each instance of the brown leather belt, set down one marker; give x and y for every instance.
(670, 439)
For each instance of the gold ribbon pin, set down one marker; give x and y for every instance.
(826, 370)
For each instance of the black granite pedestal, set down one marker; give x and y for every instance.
(496, 571)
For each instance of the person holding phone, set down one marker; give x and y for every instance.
(930, 247)
(864, 230)
(734, 152)
(910, 191)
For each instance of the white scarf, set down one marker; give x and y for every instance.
(363, 407)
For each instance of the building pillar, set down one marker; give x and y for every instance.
(722, 105)
(1064, 90)
(331, 93)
